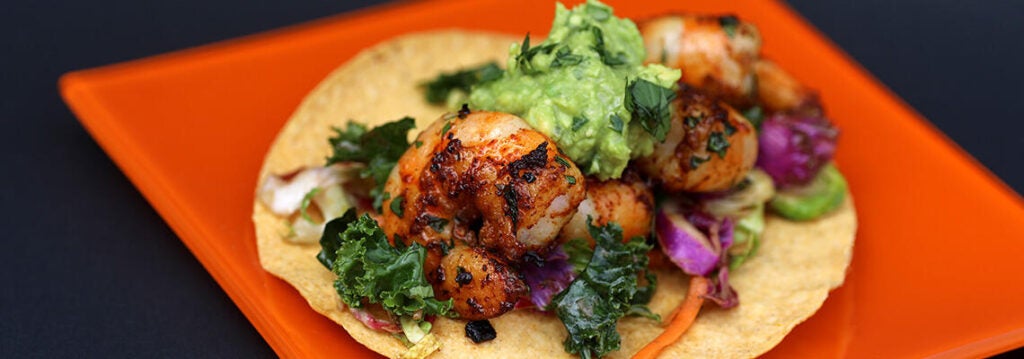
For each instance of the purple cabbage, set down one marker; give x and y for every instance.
(685, 245)
(792, 149)
(721, 292)
(548, 277)
(699, 244)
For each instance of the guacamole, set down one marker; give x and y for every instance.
(586, 87)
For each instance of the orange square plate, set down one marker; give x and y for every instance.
(938, 259)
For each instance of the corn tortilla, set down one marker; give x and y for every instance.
(781, 286)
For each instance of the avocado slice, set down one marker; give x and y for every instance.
(823, 194)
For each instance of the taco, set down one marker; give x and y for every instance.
(783, 273)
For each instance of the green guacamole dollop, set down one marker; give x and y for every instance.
(572, 87)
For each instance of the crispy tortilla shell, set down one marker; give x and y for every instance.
(781, 286)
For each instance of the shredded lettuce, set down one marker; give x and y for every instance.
(415, 330)
(608, 289)
(747, 237)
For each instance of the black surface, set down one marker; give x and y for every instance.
(90, 270)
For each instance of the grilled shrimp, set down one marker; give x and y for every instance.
(709, 147)
(488, 181)
(715, 53)
(481, 285)
(627, 201)
(778, 91)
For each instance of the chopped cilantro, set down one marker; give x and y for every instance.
(565, 57)
(649, 104)
(729, 24)
(378, 201)
(438, 89)
(562, 161)
(717, 143)
(609, 58)
(697, 161)
(437, 223)
(729, 128)
(691, 121)
(444, 130)
(578, 122)
(379, 149)
(446, 246)
(570, 179)
(526, 54)
(755, 115)
(616, 122)
(396, 206)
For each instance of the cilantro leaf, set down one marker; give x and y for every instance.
(608, 289)
(649, 104)
(370, 270)
(609, 58)
(396, 206)
(717, 143)
(565, 57)
(526, 54)
(578, 122)
(437, 223)
(691, 121)
(616, 122)
(379, 149)
(438, 89)
(697, 161)
(755, 115)
(729, 24)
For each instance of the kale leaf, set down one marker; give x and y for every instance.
(370, 270)
(649, 104)
(579, 253)
(608, 289)
(438, 89)
(379, 149)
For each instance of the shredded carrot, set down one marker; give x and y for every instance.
(681, 319)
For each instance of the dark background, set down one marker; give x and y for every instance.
(90, 270)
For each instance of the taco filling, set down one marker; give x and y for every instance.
(610, 176)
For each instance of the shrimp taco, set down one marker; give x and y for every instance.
(611, 191)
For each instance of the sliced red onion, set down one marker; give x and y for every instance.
(684, 244)
(699, 244)
(373, 322)
(720, 291)
(549, 277)
(792, 149)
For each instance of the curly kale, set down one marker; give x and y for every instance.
(370, 270)
(608, 289)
